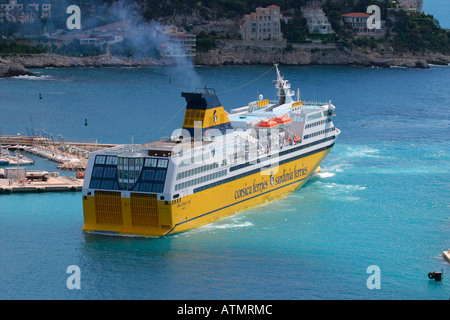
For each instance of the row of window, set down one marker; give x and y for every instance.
(197, 170)
(151, 181)
(263, 24)
(196, 159)
(158, 175)
(202, 179)
(132, 162)
(122, 173)
(265, 30)
(310, 125)
(112, 185)
(307, 136)
(314, 116)
(104, 184)
(248, 173)
(110, 160)
(282, 153)
(138, 162)
(149, 187)
(152, 162)
(104, 172)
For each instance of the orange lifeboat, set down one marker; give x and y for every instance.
(268, 123)
(283, 120)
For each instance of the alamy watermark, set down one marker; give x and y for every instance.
(230, 147)
(374, 21)
(74, 21)
(74, 280)
(374, 280)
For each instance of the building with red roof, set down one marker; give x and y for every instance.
(358, 22)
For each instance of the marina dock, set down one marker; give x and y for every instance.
(61, 183)
(71, 156)
(11, 141)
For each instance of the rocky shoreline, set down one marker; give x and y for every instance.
(251, 56)
(18, 65)
(11, 69)
(58, 61)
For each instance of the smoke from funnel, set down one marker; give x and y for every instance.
(153, 39)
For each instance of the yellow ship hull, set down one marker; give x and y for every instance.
(143, 215)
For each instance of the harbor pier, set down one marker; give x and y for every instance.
(71, 156)
(52, 184)
(10, 141)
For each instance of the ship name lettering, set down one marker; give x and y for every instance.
(261, 186)
(291, 175)
(243, 192)
(300, 172)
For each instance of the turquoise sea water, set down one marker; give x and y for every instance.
(381, 199)
(440, 10)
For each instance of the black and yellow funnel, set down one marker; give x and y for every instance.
(204, 109)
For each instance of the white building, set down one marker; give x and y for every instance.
(358, 22)
(316, 20)
(264, 24)
(24, 13)
(410, 5)
(179, 43)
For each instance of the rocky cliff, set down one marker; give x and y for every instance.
(19, 65)
(252, 56)
(8, 69)
(58, 61)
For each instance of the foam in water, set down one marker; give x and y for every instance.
(220, 225)
(361, 151)
(27, 77)
(324, 175)
(345, 187)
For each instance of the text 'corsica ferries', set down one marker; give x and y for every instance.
(219, 163)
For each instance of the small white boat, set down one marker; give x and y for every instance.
(23, 161)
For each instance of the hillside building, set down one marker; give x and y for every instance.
(358, 22)
(16, 12)
(264, 24)
(410, 5)
(316, 20)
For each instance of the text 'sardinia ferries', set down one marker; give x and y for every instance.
(219, 163)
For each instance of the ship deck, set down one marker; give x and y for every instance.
(169, 145)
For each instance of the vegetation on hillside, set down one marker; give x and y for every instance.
(409, 32)
(19, 47)
(418, 32)
(413, 32)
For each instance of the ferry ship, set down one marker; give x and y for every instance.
(218, 164)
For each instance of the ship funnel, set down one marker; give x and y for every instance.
(204, 110)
